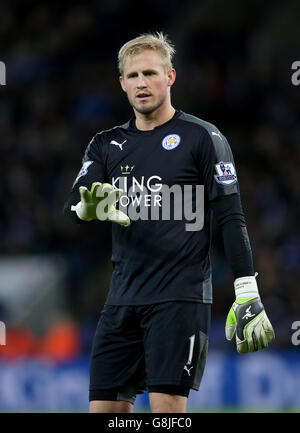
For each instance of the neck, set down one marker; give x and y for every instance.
(146, 122)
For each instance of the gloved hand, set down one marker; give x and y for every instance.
(247, 318)
(99, 204)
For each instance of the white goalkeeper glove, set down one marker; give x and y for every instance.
(98, 203)
(247, 318)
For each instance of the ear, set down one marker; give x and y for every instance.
(122, 83)
(171, 77)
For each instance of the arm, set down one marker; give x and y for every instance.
(230, 218)
(247, 317)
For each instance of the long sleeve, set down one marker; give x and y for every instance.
(92, 170)
(230, 217)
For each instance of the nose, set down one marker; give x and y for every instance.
(141, 81)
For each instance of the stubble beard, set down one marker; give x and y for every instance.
(148, 109)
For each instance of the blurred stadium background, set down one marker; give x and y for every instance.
(233, 69)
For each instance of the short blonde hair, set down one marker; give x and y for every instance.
(147, 41)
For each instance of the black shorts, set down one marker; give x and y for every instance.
(150, 347)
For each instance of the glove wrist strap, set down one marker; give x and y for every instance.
(246, 287)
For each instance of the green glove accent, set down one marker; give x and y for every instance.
(99, 204)
(247, 318)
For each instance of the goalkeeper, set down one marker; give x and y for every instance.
(154, 328)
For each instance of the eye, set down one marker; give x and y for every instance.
(133, 75)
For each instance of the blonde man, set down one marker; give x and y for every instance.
(153, 330)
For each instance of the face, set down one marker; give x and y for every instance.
(146, 81)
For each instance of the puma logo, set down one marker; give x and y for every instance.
(248, 313)
(217, 134)
(118, 144)
(188, 369)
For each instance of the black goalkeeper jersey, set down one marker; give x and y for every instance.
(156, 259)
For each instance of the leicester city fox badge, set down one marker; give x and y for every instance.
(170, 141)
